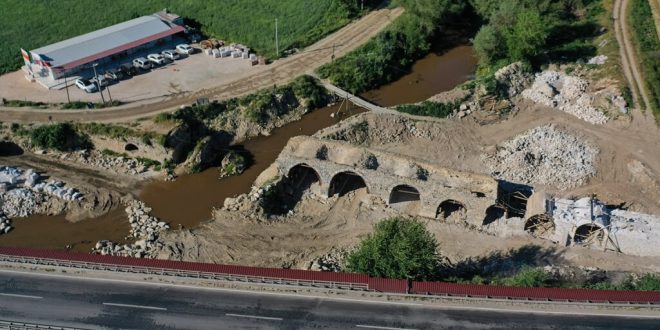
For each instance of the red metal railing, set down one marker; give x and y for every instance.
(348, 281)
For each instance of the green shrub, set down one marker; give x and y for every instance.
(62, 136)
(429, 109)
(528, 277)
(398, 248)
(647, 42)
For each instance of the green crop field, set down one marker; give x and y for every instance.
(34, 23)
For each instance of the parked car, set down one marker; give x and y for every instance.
(156, 59)
(86, 85)
(100, 81)
(128, 69)
(142, 63)
(114, 74)
(185, 49)
(171, 54)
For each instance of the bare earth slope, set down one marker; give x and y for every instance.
(280, 72)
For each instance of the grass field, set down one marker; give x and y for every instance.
(647, 41)
(34, 23)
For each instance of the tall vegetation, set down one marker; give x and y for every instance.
(534, 31)
(648, 44)
(34, 23)
(61, 136)
(388, 55)
(398, 248)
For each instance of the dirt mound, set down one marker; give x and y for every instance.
(546, 156)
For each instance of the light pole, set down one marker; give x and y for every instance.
(98, 83)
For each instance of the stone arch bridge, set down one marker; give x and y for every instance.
(333, 167)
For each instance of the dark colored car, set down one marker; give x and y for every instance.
(128, 69)
(114, 74)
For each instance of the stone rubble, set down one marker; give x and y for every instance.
(544, 155)
(146, 229)
(597, 60)
(566, 93)
(22, 193)
(330, 262)
(514, 77)
(5, 224)
(94, 158)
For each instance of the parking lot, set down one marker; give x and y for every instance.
(190, 73)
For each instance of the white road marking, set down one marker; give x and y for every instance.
(355, 300)
(379, 327)
(256, 317)
(20, 296)
(136, 306)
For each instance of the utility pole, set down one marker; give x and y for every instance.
(109, 95)
(333, 51)
(66, 85)
(277, 40)
(98, 83)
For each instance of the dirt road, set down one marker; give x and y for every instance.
(627, 52)
(280, 72)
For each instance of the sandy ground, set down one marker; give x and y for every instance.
(319, 228)
(278, 73)
(628, 172)
(193, 73)
(628, 164)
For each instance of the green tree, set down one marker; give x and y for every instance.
(398, 248)
(488, 44)
(527, 37)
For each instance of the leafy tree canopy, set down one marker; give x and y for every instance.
(398, 248)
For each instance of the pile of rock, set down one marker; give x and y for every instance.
(566, 93)
(21, 202)
(5, 224)
(330, 262)
(544, 155)
(514, 78)
(144, 227)
(94, 158)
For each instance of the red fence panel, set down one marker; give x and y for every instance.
(554, 294)
(291, 274)
(388, 285)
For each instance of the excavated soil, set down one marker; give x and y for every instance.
(624, 175)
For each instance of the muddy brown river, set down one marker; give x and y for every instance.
(188, 201)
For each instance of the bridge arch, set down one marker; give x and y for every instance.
(303, 176)
(451, 210)
(589, 234)
(493, 213)
(404, 193)
(540, 225)
(344, 182)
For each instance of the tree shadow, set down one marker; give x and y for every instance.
(503, 263)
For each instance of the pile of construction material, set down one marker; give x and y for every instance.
(5, 224)
(232, 51)
(58, 189)
(544, 155)
(12, 178)
(566, 93)
(145, 229)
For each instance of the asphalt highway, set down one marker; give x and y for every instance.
(94, 304)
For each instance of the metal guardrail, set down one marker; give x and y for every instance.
(184, 273)
(11, 325)
(389, 286)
